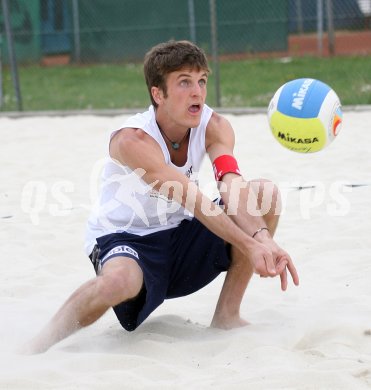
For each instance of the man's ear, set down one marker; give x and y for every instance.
(156, 94)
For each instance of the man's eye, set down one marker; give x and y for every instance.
(184, 83)
(202, 82)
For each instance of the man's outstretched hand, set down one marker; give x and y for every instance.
(269, 260)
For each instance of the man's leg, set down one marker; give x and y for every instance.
(120, 279)
(227, 312)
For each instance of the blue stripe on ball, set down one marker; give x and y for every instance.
(302, 98)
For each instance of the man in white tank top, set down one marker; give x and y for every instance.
(154, 235)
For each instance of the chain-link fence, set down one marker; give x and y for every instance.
(51, 32)
(122, 30)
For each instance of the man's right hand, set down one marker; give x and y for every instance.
(269, 262)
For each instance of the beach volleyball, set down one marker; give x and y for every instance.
(305, 115)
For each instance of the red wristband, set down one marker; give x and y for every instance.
(225, 164)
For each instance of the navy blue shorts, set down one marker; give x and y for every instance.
(175, 263)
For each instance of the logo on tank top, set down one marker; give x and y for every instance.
(193, 176)
(189, 172)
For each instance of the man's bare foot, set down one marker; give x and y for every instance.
(33, 347)
(227, 323)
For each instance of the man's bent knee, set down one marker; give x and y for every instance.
(120, 279)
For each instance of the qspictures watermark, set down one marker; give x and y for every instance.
(35, 199)
(55, 198)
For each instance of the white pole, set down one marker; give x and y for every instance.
(214, 49)
(330, 28)
(320, 27)
(12, 56)
(76, 30)
(192, 20)
(1, 72)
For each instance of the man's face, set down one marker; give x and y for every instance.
(185, 97)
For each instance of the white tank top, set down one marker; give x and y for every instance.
(126, 203)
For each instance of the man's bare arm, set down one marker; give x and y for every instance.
(134, 148)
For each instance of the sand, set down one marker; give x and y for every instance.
(315, 336)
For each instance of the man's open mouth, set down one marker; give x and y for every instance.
(194, 108)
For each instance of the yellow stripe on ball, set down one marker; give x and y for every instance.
(304, 135)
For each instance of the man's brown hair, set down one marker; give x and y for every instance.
(169, 57)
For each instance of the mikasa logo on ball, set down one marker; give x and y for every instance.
(300, 95)
(288, 138)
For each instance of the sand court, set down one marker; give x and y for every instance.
(317, 335)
